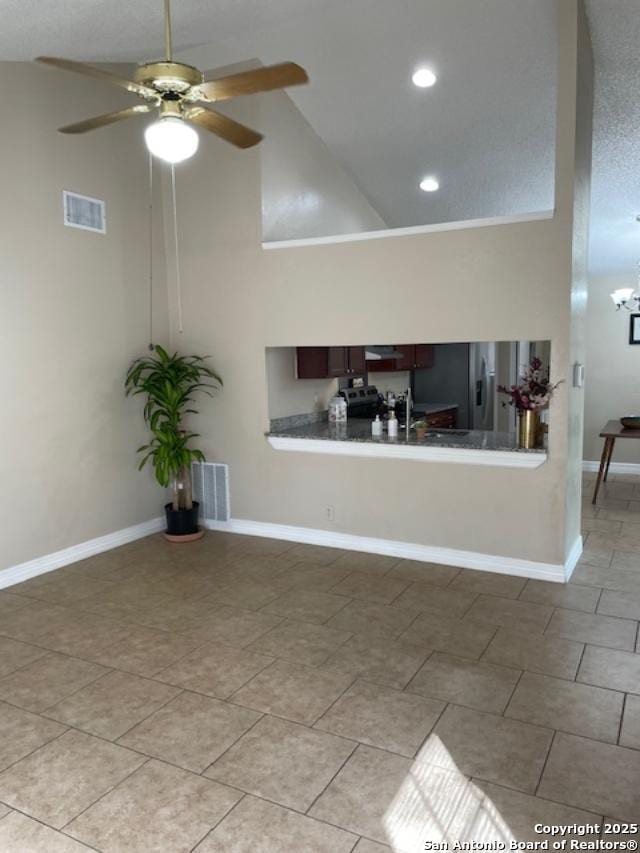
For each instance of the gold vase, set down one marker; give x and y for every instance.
(529, 429)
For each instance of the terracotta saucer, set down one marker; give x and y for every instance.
(189, 537)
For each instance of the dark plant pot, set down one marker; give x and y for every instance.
(182, 522)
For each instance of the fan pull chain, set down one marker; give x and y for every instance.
(150, 251)
(175, 239)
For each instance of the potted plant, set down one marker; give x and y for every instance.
(529, 398)
(421, 430)
(170, 383)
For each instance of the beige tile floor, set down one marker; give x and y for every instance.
(240, 694)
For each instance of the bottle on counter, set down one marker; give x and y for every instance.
(338, 410)
(392, 425)
(376, 427)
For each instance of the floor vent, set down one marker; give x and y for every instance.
(82, 211)
(211, 489)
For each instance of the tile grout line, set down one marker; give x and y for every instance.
(356, 745)
(431, 730)
(51, 828)
(296, 812)
(231, 745)
(546, 760)
(34, 750)
(621, 723)
(217, 823)
(577, 672)
(511, 695)
(43, 711)
(181, 692)
(104, 794)
(247, 682)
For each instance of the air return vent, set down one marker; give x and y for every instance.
(211, 489)
(82, 211)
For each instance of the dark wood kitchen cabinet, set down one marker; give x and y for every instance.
(408, 353)
(442, 420)
(329, 362)
(356, 359)
(312, 362)
(413, 356)
(337, 361)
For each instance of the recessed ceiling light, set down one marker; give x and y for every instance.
(424, 78)
(429, 185)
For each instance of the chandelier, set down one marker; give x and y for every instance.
(627, 297)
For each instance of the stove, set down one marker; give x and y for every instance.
(363, 402)
(366, 403)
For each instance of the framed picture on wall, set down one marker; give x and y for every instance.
(634, 329)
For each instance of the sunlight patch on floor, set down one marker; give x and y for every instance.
(437, 803)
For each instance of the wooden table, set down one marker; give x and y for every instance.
(610, 433)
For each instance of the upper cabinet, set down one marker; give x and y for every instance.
(356, 359)
(330, 362)
(338, 362)
(412, 357)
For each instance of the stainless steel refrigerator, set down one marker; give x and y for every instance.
(463, 375)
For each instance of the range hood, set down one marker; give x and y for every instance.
(378, 353)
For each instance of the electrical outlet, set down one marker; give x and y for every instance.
(328, 512)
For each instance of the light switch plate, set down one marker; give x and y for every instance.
(578, 375)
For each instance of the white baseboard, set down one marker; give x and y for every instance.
(49, 562)
(572, 560)
(614, 468)
(557, 573)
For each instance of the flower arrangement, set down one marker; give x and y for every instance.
(533, 391)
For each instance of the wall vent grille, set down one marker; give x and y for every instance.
(211, 489)
(82, 211)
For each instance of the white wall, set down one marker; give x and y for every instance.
(511, 282)
(74, 314)
(289, 395)
(612, 386)
(305, 190)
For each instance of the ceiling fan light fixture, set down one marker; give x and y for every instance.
(430, 184)
(171, 139)
(424, 78)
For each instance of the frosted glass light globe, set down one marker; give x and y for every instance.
(171, 139)
(424, 78)
(429, 184)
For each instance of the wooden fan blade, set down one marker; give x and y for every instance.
(258, 80)
(103, 120)
(226, 128)
(98, 74)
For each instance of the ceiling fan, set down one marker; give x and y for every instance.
(177, 91)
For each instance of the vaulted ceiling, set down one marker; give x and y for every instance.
(486, 129)
(615, 233)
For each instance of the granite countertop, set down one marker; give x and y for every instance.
(360, 431)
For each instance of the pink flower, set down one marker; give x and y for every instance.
(534, 391)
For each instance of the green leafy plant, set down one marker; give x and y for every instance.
(170, 383)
